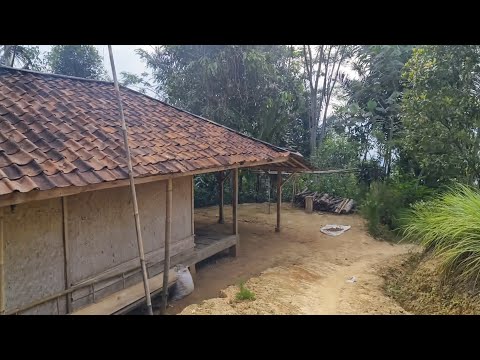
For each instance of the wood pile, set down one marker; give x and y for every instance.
(325, 202)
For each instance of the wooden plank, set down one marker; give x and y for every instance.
(215, 248)
(121, 299)
(2, 264)
(279, 200)
(204, 241)
(66, 252)
(35, 195)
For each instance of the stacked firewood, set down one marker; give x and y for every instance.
(325, 202)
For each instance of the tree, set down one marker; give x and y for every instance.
(321, 66)
(76, 60)
(27, 57)
(441, 113)
(139, 83)
(251, 88)
(372, 113)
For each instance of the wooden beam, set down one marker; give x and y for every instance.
(35, 195)
(168, 238)
(319, 172)
(301, 165)
(221, 181)
(66, 253)
(2, 264)
(229, 242)
(279, 200)
(234, 250)
(117, 301)
(288, 178)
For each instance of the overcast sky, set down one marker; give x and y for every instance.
(127, 60)
(124, 56)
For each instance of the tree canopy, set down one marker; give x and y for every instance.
(441, 113)
(25, 56)
(251, 88)
(76, 60)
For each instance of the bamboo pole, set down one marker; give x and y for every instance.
(279, 199)
(132, 187)
(66, 253)
(168, 235)
(2, 269)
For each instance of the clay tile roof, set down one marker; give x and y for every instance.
(58, 131)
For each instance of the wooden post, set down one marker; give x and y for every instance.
(168, 235)
(221, 180)
(293, 189)
(269, 192)
(279, 199)
(234, 250)
(136, 215)
(2, 265)
(66, 253)
(193, 207)
(309, 204)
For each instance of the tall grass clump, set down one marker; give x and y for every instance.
(449, 225)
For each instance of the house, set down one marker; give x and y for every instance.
(67, 234)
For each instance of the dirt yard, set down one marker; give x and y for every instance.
(297, 271)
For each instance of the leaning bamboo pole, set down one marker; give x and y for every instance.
(132, 187)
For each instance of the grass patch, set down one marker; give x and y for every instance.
(449, 227)
(415, 283)
(244, 293)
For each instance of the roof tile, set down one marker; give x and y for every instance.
(57, 131)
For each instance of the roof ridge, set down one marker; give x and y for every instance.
(54, 75)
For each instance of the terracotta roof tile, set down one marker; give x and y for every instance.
(59, 131)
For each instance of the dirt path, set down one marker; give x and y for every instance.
(297, 271)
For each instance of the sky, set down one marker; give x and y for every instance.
(127, 60)
(124, 56)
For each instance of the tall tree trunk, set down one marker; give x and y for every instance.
(7, 54)
(313, 141)
(388, 157)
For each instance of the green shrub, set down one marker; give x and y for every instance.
(385, 204)
(449, 225)
(244, 293)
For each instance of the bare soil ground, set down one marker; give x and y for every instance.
(297, 271)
